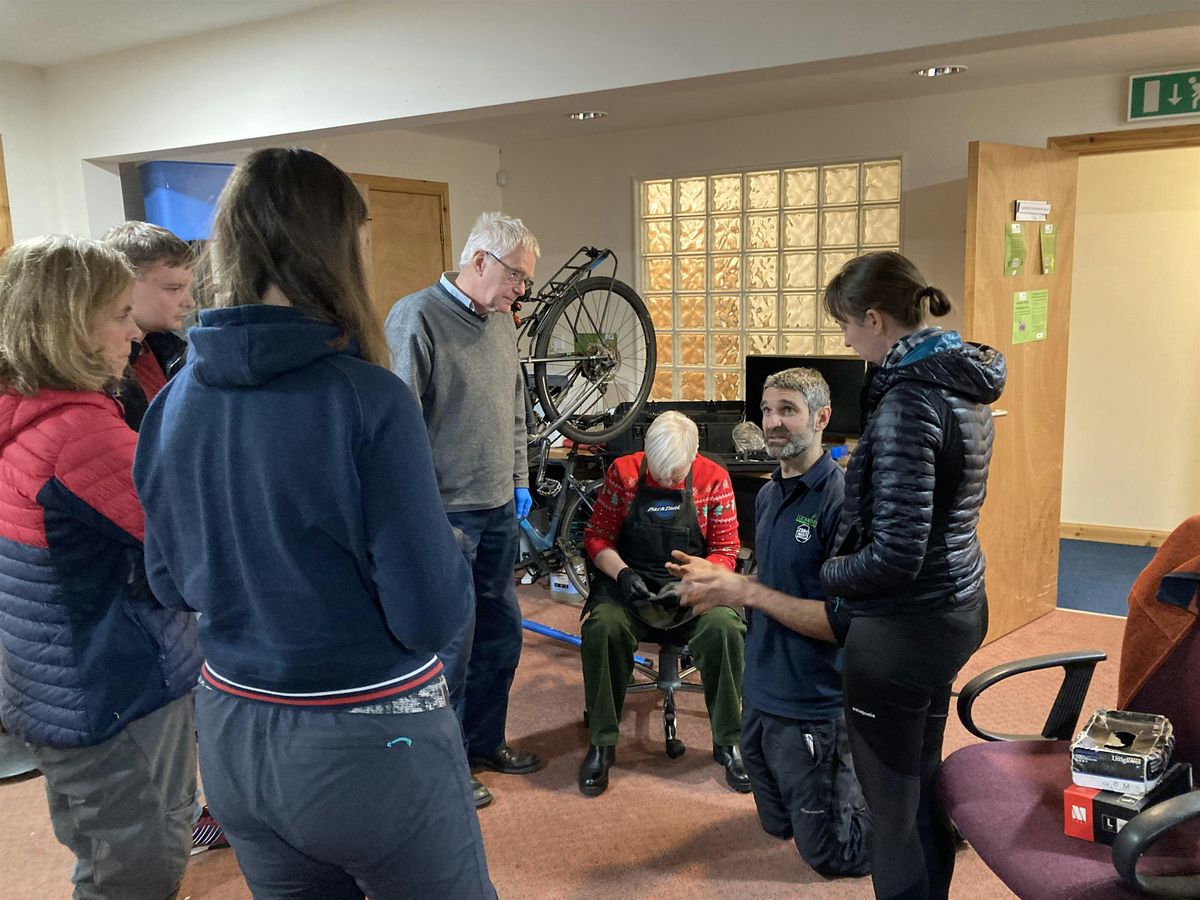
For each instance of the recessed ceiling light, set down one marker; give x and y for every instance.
(586, 114)
(937, 71)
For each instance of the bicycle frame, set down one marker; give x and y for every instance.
(582, 264)
(546, 547)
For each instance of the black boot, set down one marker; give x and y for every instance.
(735, 771)
(593, 773)
(479, 793)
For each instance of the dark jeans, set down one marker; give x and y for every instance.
(334, 805)
(481, 661)
(804, 787)
(125, 807)
(897, 678)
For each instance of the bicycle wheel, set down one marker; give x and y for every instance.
(596, 356)
(576, 514)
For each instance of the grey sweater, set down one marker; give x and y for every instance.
(463, 368)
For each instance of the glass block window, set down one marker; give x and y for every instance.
(735, 263)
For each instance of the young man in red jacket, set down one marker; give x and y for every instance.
(162, 302)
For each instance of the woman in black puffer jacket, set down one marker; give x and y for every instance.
(909, 570)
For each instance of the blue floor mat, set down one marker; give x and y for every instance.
(1095, 577)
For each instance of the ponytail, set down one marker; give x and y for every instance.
(939, 303)
(886, 281)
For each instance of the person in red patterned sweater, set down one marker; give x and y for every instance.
(663, 499)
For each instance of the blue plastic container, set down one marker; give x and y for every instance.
(182, 196)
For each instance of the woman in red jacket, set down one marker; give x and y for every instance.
(94, 674)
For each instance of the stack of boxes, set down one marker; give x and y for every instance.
(1120, 765)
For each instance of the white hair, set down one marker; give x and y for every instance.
(497, 233)
(672, 441)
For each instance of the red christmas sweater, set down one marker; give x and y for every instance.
(712, 493)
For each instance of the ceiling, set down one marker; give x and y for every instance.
(861, 79)
(49, 32)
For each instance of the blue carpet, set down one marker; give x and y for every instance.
(1095, 577)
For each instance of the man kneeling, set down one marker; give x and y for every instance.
(667, 498)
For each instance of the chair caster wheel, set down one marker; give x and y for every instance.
(675, 749)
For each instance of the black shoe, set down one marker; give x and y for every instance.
(480, 794)
(735, 771)
(509, 761)
(593, 773)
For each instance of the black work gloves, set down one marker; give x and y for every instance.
(633, 588)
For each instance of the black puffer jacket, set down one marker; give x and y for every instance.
(907, 541)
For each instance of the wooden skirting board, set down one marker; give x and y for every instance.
(1110, 534)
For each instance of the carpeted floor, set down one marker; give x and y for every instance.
(1096, 577)
(664, 829)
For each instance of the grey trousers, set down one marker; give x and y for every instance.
(125, 807)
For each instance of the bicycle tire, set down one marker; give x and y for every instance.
(576, 514)
(609, 313)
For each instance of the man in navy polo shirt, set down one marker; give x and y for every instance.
(793, 730)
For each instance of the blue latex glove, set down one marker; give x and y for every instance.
(524, 502)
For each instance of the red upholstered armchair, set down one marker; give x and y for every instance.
(1005, 795)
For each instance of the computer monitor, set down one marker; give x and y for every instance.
(845, 376)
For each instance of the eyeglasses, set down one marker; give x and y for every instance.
(514, 276)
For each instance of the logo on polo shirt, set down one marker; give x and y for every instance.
(663, 509)
(804, 527)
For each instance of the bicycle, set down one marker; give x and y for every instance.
(589, 352)
(559, 545)
(587, 367)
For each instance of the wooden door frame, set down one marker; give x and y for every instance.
(6, 230)
(1127, 141)
(439, 189)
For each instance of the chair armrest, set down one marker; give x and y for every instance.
(1077, 666)
(1140, 834)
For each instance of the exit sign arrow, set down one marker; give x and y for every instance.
(1174, 98)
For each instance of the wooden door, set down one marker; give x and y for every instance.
(1019, 528)
(408, 238)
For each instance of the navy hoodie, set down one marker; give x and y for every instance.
(291, 499)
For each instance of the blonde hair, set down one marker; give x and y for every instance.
(51, 288)
(672, 441)
(289, 218)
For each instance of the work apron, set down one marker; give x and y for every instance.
(658, 521)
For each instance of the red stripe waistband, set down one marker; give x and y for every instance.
(402, 687)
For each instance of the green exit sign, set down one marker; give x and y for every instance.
(1164, 95)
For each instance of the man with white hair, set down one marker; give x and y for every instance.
(663, 499)
(455, 345)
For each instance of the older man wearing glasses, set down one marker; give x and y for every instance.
(460, 359)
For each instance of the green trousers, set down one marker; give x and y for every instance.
(610, 638)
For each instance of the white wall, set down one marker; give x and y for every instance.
(1132, 449)
(31, 194)
(378, 62)
(467, 166)
(579, 190)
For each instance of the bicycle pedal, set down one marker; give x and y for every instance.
(549, 488)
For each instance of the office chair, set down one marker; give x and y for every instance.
(1005, 795)
(675, 667)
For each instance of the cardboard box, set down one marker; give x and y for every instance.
(1122, 751)
(1091, 814)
